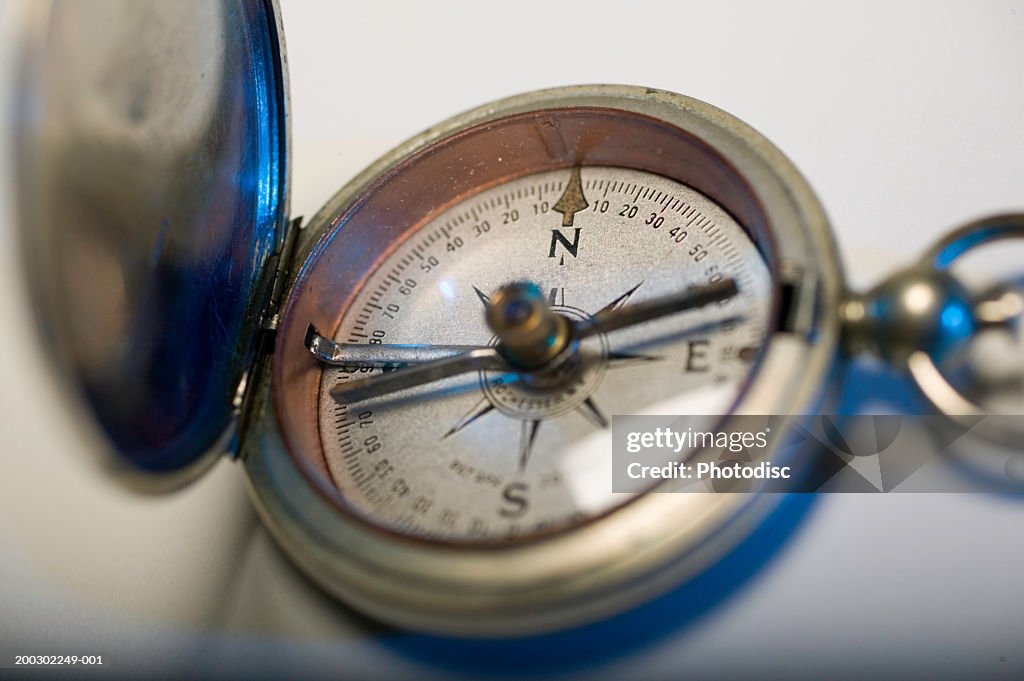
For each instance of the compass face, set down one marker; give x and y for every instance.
(492, 456)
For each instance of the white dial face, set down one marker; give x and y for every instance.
(484, 457)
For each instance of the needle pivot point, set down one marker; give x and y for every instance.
(530, 333)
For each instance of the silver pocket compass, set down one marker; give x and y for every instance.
(418, 381)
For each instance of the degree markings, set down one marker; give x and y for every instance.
(630, 191)
(460, 224)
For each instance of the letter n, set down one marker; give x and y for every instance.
(557, 238)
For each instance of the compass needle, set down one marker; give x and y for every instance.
(387, 357)
(626, 359)
(612, 319)
(358, 389)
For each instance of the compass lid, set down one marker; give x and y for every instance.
(152, 162)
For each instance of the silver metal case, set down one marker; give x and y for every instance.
(614, 561)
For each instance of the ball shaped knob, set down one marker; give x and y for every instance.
(916, 309)
(529, 332)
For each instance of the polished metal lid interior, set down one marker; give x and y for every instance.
(152, 189)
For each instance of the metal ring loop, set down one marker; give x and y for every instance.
(970, 236)
(930, 381)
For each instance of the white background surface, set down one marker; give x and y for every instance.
(908, 118)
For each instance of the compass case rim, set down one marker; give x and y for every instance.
(535, 586)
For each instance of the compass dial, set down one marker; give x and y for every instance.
(493, 456)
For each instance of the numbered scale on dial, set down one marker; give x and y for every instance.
(490, 455)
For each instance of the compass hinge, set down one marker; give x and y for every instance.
(243, 404)
(282, 272)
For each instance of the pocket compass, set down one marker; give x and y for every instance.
(418, 381)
